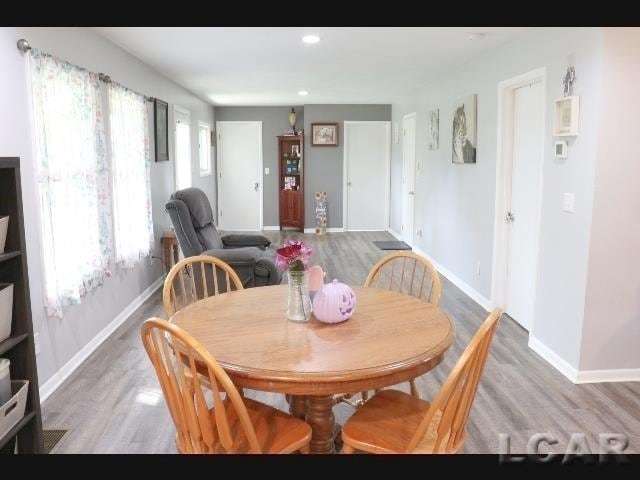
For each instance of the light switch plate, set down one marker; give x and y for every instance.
(266, 170)
(568, 202)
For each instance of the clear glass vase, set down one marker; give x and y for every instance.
(298, 301)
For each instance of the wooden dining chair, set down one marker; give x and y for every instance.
(396, 422)
(205, 276)
(407, 273)
(232, 424)
(421, 281)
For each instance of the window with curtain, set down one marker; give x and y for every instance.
(73, 180)
(132, 221)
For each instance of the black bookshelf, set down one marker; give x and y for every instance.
(19, 347)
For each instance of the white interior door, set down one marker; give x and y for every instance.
(240, 175)
(182, 120)
(408, 176)
(366, 159)
(523, 208)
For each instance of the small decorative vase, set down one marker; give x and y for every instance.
(298, 301)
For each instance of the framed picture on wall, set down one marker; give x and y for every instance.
(464, 130)
(565, 117)
(161, 129)
(324, 134)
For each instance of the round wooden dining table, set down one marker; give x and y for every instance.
(391, 338)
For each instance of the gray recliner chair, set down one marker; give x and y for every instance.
(192, 219)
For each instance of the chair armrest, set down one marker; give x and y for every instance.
(234, 240)
(236, 256)
(242, 260)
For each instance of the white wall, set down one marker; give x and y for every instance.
(60, 340)
(612, 312)
(455, 203)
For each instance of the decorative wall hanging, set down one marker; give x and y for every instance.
(568, 80)
(324, 134)
(321, 213)
(565, 117)
(433, 130)
(464, 130)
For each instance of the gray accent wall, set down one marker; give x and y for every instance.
(275, 120)
(324, 165)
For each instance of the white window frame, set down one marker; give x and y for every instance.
(208, 171)
(187, 113)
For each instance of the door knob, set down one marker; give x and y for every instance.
(348, 184)
(256, 186)
(411, 193)
(509, 217)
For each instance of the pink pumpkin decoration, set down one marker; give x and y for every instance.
(334, 303)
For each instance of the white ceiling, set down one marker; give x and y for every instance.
(268, 66)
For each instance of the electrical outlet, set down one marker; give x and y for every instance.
(36, 343)
(419, 232)
(478, 269)
(266, 170)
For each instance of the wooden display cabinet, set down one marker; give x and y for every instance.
(291, 181)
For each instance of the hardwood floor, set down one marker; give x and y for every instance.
(113, 403)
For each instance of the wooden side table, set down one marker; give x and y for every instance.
(169, 250)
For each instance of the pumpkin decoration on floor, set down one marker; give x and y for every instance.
(334, 303)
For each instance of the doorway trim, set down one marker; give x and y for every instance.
(187, 113)
(219, 165)
(506, 89)
(387, 173)
(402, 198)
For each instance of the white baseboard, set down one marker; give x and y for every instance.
(395, 234)
(583, 376)
(271, 227)
(476, 296)
(328, 230)
(68, 368)
(613, 375)
(554, 359)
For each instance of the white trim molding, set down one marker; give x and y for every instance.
(271, 227)
(582, 376)
(553, 358)
(58, 378)
(613, 375)
(328, 230)
(476, 296)
(394, 233)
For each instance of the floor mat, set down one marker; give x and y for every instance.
(52, 438)
(391, 245)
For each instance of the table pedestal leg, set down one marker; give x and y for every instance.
(320, 417)
(297, 406)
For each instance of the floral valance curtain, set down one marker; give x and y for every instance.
(89, 205)
(73, 180)
(133, 225)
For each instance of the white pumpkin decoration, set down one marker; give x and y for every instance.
(333, 303)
